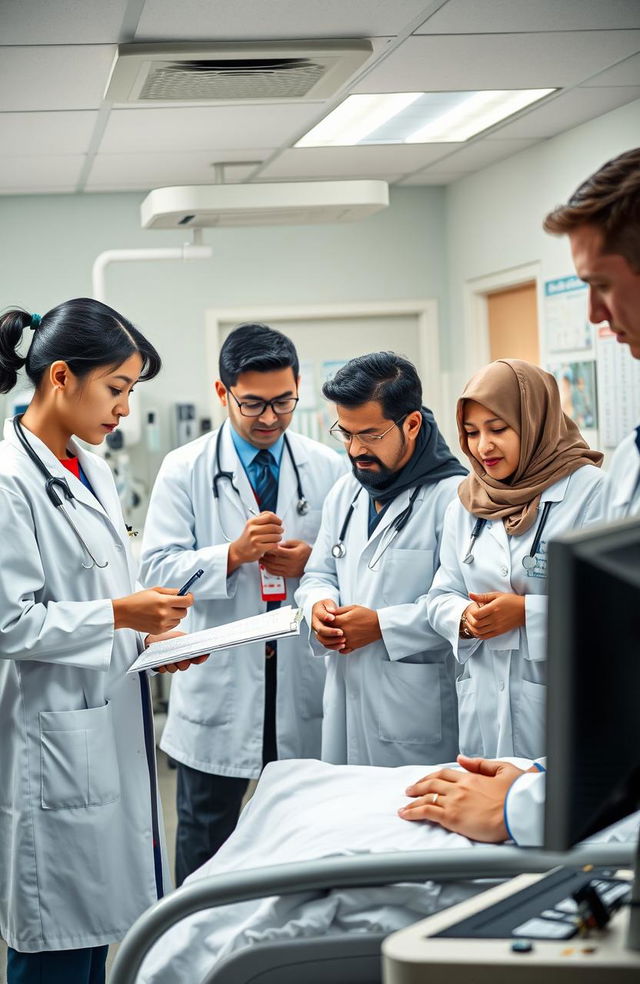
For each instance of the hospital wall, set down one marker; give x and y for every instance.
(49, 243)
(494, 217)
(430, 243)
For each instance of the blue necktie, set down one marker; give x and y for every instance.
(266, 485)
(266, 489)
(638, 439)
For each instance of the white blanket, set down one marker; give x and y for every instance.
(304, 810)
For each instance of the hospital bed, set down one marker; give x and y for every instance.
(350, 959)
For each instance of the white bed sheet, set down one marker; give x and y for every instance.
(304, 810)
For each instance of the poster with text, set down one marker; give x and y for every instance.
(565, 314)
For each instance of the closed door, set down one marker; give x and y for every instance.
(513, 323)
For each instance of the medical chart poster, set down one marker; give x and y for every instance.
(618, 388)
(577, 385)
(565, 313)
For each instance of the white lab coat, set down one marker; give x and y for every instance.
(391, 702)
(216, 710)
(76, 856)
(621, 494)
(502, 682)
(524, 805)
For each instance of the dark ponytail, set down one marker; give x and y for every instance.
(83, 332)
(12, 326)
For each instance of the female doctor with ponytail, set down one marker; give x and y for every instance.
(532, 478)
(81, 839)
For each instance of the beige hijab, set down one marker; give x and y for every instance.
(551, 446)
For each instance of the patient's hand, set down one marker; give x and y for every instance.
(469, 802)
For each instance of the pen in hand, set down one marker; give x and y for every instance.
(194, 577)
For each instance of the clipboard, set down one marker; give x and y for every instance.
(277, 624)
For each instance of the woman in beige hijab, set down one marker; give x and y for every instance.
(532, 478)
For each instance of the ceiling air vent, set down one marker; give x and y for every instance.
(286, 71)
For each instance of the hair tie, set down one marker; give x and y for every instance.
(35, 321)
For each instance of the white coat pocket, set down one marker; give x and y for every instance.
(530, 739)
(407, 574)
(78, 760)
(471, 742)
(409, 710)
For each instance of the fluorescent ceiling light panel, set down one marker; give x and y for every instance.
(417, 117)
(357, 118)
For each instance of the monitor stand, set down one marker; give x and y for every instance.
(420, 953)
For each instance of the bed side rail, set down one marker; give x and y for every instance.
(345, 872)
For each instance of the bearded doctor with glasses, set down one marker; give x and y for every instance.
(389, 695)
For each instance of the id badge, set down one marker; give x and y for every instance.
(272, 586)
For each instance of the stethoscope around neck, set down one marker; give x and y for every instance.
(302, 506)
(528, 562)
(52, 485)
(339, 549)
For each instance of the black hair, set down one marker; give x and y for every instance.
(383, 376)
(82, 332)
(255, 348)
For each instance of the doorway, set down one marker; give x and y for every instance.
(512, 316)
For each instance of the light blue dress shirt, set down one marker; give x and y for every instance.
(247, 453)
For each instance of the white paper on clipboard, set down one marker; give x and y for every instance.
(276, 624)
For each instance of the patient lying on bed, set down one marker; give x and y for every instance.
(303, 810)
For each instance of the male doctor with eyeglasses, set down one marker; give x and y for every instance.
(243, 503)
(390, 691)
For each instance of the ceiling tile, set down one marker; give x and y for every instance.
(29, 175)
(353, 162)
(205, 128)
(45, 133)
(199, 20)
(475, 156)
(61, 21)
(433, 177)
(498, 61)
(111, 172)
(626, 72)
(496, 16)
(567, 110)
(54, 77)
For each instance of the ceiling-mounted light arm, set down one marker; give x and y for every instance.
(190, 251)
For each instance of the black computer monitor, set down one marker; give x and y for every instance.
(593, 703)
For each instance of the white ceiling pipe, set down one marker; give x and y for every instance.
(102, 261)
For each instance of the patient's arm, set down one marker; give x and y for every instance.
(470, 800)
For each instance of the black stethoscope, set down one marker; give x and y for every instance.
(302, 506)
(339, 550)
(52, 484)
(528, 562)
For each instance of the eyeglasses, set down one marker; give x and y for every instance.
(368, 440)
(255, 408)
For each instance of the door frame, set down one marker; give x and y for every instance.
(476, 309)
(425, 311)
